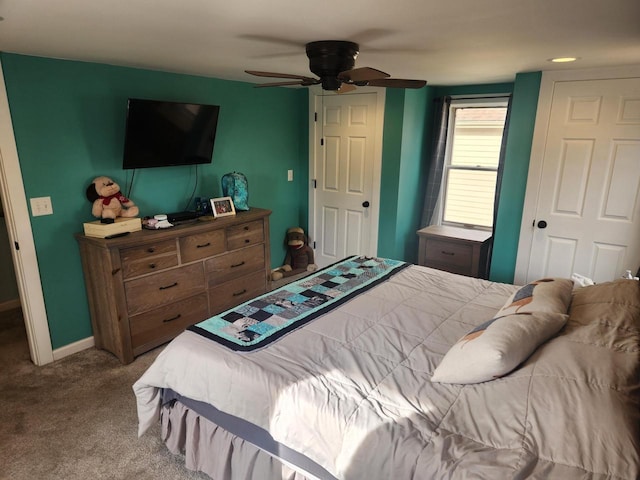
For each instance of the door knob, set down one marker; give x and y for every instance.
(365, 204)
(542, 224)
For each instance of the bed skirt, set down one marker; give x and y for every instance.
(210, 449)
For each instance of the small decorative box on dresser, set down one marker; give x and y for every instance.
(147, 287)
(456, 250)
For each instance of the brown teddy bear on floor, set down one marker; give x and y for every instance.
(299, 256)
(108, 202)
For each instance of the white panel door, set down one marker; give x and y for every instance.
(588, 213)
(344, 176)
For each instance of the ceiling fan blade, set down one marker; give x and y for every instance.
(280, 75)
(280, 84)
(362, 74)
(346, 87)
(397, 83)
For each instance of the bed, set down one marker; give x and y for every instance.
(386, 384)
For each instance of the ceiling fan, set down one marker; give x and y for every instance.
(333, 62)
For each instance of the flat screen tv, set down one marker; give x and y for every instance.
(162, 134)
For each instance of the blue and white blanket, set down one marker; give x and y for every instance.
(266, 318)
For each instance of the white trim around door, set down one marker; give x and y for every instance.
(20, 234)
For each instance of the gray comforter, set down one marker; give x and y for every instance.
(352, 391)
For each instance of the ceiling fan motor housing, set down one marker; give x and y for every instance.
(327, 58)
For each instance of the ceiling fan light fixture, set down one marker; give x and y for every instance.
(327, 58)
(331, 83)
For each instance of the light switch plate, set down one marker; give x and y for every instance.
(41, 206)
(290, 175)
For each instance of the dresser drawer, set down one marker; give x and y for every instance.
(146, 293)
(245, 234)
(444, 252)
(230, 294)
(236, 264)
(148, 258)
(160, 325)
(201, 245)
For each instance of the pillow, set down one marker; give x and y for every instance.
(551, 295)
(496, 347)
(616, 304)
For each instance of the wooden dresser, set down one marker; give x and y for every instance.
(456, 250)
(147, 287)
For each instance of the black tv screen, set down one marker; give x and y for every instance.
(161, 134)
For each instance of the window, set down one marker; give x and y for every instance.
(474, 139)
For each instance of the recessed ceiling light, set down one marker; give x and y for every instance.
(563, 59)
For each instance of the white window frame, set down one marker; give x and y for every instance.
(500, 102)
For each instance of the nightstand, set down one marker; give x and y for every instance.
(455, 250)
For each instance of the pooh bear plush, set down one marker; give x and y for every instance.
(299, 256)
(108, 202)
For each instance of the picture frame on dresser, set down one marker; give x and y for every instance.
(222, 207)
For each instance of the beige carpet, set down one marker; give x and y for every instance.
(76, 418)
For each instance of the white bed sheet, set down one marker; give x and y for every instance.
(351, 390)
(341, 373)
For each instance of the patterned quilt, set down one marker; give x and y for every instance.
(266, 318)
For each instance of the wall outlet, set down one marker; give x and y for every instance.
(41, 206)
(290, 175)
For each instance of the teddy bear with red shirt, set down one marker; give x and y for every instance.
(108, 202)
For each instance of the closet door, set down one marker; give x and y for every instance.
(587, 213)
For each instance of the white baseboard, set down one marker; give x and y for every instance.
(10, 305)
(72, 348)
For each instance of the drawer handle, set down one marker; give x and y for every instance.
(167, 320)
(447, 253)
(246, 240)
(238, 264)
(240, 293)
(246, 228)
(151, 250)
(152, 265)
(204, 245)
(174, 284)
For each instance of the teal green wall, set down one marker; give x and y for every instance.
(413, 169)
(514, 179)
(486, 89)
(390, 172)
(69, 120)
(408, 134)
(405, 147)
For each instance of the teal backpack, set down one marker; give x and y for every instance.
(235, 185)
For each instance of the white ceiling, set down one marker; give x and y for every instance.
(446, 42)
